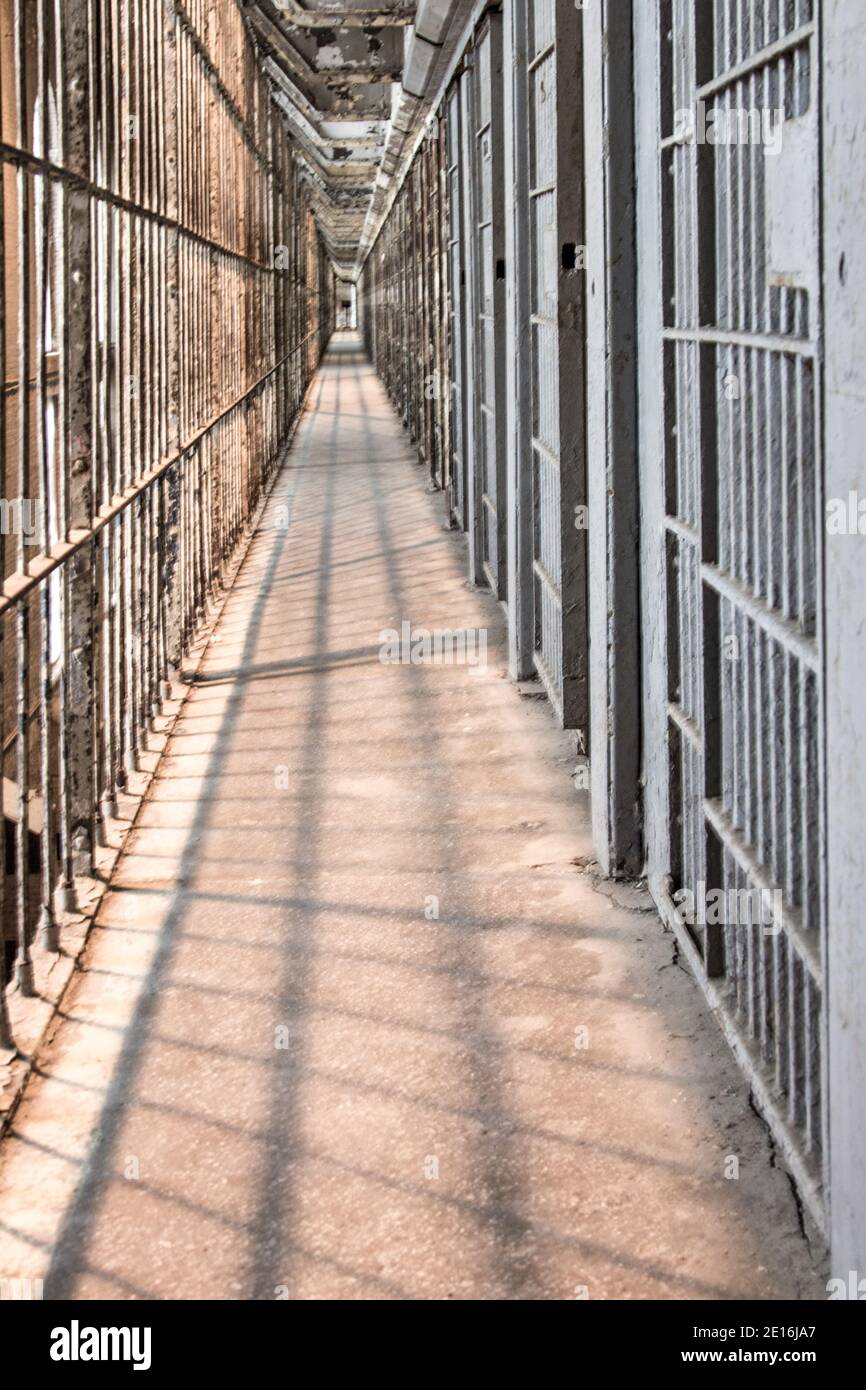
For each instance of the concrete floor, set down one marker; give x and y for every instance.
(280, 1072)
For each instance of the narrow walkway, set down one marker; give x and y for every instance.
(353, 1022)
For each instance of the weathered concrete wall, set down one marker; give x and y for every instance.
(845, 430)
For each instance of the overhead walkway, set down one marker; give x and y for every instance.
(357, 1020)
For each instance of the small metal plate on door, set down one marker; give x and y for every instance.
(790, 166)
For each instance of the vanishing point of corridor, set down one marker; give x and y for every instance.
(357, 1019)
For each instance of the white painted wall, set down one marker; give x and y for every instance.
(844, 159)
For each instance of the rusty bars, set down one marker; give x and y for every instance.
(164, 300)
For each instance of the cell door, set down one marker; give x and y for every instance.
(485, 150)
(554, 235)
(728, 122)
(456, 290)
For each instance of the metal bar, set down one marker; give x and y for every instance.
(756, 61)
(47, 922)
(6, 1042)
(24, 965)
(794, 347)
(786, 632)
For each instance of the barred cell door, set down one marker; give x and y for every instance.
(456, 291)
(729, 326)
(485, 151)
(554, 240)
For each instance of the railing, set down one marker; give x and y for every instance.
(403, 307)
(164, 300)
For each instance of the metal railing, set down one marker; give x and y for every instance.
(402, 306)
(164, 301)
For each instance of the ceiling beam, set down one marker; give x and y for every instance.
(339, 17)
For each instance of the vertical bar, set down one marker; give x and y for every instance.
(6, 1042)
(24, 964)
(47, 922)
(174, 112)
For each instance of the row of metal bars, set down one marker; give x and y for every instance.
(450, 309)
(741, 477)
(402, 306)
(415, 332)
(474, 155)
(164, 301)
